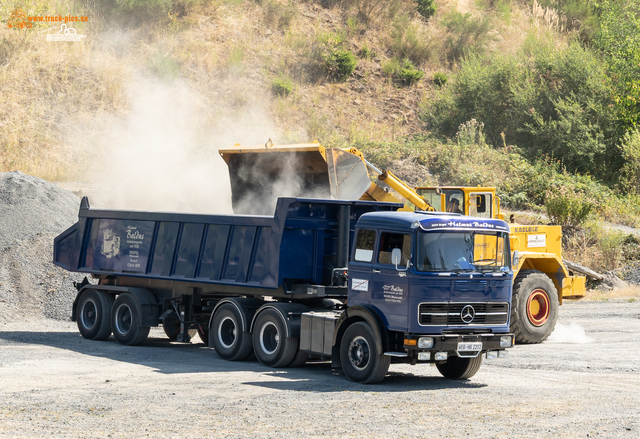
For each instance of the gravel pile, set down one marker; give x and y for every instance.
(32, 213)
(630, 273)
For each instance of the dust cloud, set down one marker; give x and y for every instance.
(571, 333)
(163, 154)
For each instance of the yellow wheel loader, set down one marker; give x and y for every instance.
(260, 174)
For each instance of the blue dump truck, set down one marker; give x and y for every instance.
(355, 282)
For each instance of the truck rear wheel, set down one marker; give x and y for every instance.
(271, 344)
(227, 336)
(456, 368)
(125, 321)
(94, 314)
(534, 309)
(359, 355)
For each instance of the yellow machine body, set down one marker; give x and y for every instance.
(539, 247)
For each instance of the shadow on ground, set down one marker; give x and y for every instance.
(168, 357)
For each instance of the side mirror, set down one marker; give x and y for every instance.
(514, 260)
(396, 257)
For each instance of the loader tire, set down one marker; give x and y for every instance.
(534, 307)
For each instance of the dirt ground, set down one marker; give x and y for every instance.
(583, 382)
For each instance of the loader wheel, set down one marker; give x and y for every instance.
(456, 368)
(125, 321)
(359, 355)
(271, 344)
(94, 315)
(171, 327)
(534, 308)
(227, 336)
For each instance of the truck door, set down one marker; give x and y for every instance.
(390, 286)
(360, 267)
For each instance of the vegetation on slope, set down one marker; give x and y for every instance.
(538, 98)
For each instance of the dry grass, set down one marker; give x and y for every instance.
(631, 294)
(229, 52)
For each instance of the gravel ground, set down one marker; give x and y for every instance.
(583, 382)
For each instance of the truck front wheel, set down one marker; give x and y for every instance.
(534, 307)
(456, 368)
(271, 344)
(227, 336)
(360, 358)
(125, 321)
(94, 314)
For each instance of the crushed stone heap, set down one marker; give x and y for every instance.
(32, 213)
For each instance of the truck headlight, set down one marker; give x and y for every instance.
(506, 341)
(425, 342)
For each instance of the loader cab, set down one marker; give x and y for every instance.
(478, 202)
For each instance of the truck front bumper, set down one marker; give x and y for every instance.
(431, 348)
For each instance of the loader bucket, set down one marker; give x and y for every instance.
(261, 174)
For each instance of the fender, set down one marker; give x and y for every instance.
(358, 313)
(289, 313)
(148, 306)
(246, 308)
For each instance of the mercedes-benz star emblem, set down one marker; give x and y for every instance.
(468, 314)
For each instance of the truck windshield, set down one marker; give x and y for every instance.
(455, 251)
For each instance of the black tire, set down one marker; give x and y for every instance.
(204, 335)
(300, 359)
(93, 314)
(125, 321)
(227, 336)
(171, 328)
(456, 368)
(534, 307)
(272, 346)
(359, 355)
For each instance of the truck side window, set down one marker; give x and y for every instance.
(364, 245)
(389, 241)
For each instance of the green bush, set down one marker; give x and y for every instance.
(440, 79)
(277, 14)
(426, 8)
(467, 34)
(408, 40)
(402, 70)
(630, 172)
(567, 208)
(281, 86)
(366, 53)
(164, 65)
(549, 101)
(334, 59)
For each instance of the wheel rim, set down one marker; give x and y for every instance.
(359, 353)
(269, 338)
(89, 314)
(538, 307)
(123, 319)
(227, 332)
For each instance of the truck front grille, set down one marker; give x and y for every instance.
(451, 314)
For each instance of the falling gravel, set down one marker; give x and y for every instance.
(32, 213)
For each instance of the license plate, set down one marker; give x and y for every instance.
(469, 346)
